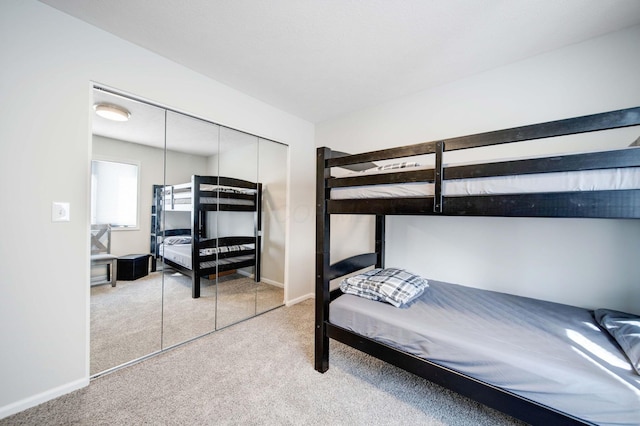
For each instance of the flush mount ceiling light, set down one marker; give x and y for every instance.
(112, 112)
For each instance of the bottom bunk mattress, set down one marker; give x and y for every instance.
(181, 254)
(553, 354)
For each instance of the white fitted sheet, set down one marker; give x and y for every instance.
(178, 253)
(586, 180)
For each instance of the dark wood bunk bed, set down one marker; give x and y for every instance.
(605, 203)
(193, 251)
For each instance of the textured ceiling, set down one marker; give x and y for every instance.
(322, 58)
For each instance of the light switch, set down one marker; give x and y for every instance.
(60, 212)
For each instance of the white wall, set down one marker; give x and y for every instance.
(586, 262)
(49, 61)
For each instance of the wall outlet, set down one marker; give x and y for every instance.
(60, 212)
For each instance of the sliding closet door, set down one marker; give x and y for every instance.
(237, 287)
(272, 173)
(191, 149)
(128, 159)
(152, 306)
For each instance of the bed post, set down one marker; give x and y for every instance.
(258, 243)
(323, 236)
(380, 236)
(437, 197)
(195, 236)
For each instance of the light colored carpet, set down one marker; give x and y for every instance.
(260, 372)
(137, 318)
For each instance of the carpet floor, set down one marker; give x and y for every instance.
(260, 372)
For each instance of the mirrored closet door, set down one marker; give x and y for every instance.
(272, 175)
(238, 226)
(207, 243)
(191, 147)
(126, 313)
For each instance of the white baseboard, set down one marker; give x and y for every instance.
(38, 399)
(244, 273)
(271, 282)
(300, 299)
(262, 279)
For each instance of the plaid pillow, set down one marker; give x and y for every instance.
(395, 286)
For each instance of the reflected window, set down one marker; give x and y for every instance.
(114, 194)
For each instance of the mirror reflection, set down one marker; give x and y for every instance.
(189, 284)
(238, 227)
(126, 300)
(207, 243)
(272, 173)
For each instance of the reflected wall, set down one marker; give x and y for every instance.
(273, 167)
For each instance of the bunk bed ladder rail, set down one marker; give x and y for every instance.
(325, 271)
(197, 223)
(258, 231)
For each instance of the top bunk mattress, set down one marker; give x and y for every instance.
(186, 202)
(179, 197)
(585, 180)
(183, 199)
(551, 353)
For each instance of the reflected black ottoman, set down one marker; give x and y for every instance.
(133, 266)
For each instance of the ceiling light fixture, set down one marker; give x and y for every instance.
(112, 112)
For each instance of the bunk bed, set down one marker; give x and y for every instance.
(197, 253)
(538, 361)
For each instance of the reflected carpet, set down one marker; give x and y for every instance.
(137, 318)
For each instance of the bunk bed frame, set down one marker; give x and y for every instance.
(583, 204)
(199, 206)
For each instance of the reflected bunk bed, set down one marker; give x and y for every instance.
(196, 253)
(556, 364)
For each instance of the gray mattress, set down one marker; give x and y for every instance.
(550, 353)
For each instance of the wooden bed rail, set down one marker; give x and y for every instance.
(552, 164)
(589, 123)
(238, 183)
(352, 264)
(492, 396)
(578, 204)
